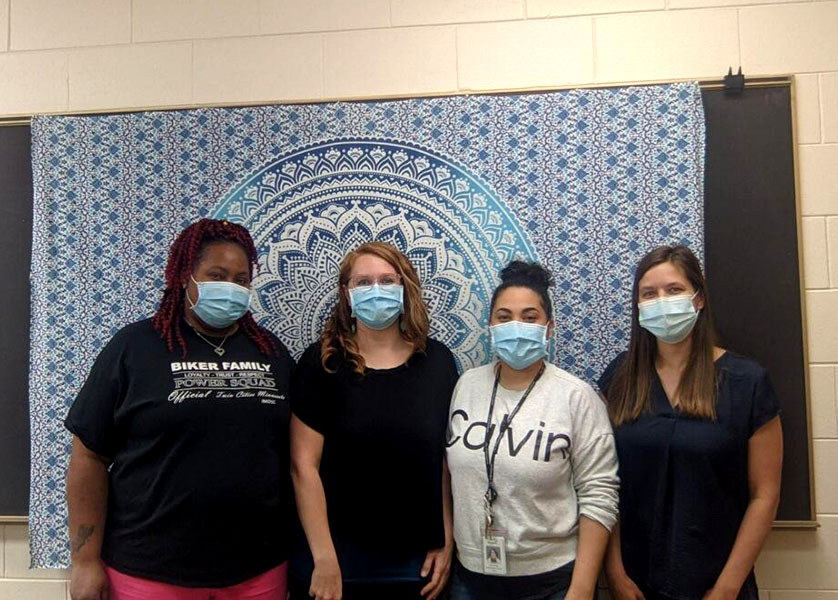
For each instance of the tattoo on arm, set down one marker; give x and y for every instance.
(82, 537)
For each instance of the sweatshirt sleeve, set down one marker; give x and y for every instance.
(594, 461)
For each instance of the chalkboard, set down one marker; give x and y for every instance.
(752, 264)
(752, 259)
(15, 251)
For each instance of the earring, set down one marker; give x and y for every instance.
(352, 327)
(402, 325)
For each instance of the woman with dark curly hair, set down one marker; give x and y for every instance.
(368, 440)
(179, 484)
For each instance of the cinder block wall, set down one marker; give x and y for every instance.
(74, 55)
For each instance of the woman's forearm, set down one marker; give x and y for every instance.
(593, 538)
(87, 500)
(614, 555)
(752, 533)
(765, 463)
(311, 506)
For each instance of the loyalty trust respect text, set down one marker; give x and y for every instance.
(200, 380)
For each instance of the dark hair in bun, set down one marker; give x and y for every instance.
(529, 275)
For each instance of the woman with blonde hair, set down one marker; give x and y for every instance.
(370, 405)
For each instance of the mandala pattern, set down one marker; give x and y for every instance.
(584, 180)
(308, 209)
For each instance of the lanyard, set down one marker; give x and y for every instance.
(492, 494)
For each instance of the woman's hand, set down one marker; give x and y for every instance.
(88, 580)
(438, 565)
(326, 582)
(620, 584)
(574, 594)
(87, 501)
(718, 592)
(623, 588)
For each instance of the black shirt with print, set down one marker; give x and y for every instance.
(199, 485)
(384, 443)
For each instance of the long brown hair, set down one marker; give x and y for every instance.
(630, 387)
(338, 336)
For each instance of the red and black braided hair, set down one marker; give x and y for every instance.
(185, 253)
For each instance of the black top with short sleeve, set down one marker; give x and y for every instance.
(199, 480)
(684, 481)
(384, 443)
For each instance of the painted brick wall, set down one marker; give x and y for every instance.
(75, 55)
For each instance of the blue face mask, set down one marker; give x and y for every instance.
(377, 306)
(670, 319)
(220, 303)
(519, 344)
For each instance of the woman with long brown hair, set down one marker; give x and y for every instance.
(368, 440)
(699, 441)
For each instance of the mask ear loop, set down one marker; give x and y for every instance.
(192, 305)
(344, 289)
(353, 321)
(547, 341)
(692, 299)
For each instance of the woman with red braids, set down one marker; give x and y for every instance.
(179, 480)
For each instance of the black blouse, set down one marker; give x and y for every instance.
(684, 481)
(383, 447)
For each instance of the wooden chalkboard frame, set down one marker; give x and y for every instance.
(807, 521)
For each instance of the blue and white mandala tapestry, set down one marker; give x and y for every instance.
(584, 181)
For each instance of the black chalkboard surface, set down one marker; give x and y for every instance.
(15, 251)
(751, 255)
(752, 259)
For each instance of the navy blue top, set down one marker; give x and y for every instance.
(684, 481)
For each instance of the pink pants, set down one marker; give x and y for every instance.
(271, 585)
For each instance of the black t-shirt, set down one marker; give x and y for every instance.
(384, 442)
(684, 481)
(199, 485)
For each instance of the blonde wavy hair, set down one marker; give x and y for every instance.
(338, 338)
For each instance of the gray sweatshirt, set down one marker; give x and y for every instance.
(557, 462)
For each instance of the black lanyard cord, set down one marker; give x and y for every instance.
(503, 426)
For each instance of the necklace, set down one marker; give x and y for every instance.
(217, 348)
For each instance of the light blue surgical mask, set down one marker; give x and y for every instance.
(519, 344)
(220, 303)
(669, 318)
(377, 306)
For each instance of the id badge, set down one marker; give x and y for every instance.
(494, 552)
